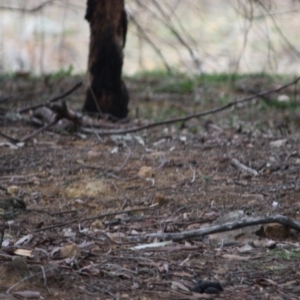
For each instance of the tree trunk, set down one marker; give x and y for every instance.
(106, 92)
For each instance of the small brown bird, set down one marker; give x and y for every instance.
(10, 208)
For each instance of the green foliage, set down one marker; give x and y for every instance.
(176, 86)
(63, 73)
(280, 104)
(285, 254)
(153, 74)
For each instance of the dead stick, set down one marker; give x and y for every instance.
(226, 227)
(33, 134)
(8, 137)
(95, 218)
(242, 167)
(54, 99)
(186, 118)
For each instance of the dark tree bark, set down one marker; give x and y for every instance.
(106, 92)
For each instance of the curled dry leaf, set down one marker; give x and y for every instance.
(264, 243)
(146, 172)
(278, 143)
(25, 239)
(97, 224)
(69, 251)
(91, 269)
(13, 190)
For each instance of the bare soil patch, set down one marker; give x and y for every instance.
(91, 199)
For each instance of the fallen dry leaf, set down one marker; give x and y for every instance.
(235, 257)
(69, 251)
(146, 172)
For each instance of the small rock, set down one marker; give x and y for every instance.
(278, 143)
(283, 98)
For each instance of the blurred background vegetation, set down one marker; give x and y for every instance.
(196, 36)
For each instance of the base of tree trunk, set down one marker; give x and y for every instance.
(106, 91)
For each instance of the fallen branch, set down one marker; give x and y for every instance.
(95, 218)
(9, 137)
(54, 99)
(53, 110)
(226, 227)
(193, 116)
(33, 134)
(60, 112)
(242, 167)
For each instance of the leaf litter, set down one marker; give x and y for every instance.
(94, 202)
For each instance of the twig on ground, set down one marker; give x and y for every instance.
(63, 112)
(33, 134)
(242, 167)
(8, 137)
(125, 161)
(194, 174)
(193, 116)
(226, 227)
(94, 218)
(54, 99)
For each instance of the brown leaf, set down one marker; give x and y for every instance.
(69, 251)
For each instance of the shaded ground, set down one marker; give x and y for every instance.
(71, 177)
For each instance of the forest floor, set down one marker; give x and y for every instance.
(92, 199)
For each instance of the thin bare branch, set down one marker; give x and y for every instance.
(30, 10)
(54, 99)
(226, 227)
(35, 133)
(193, 116)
